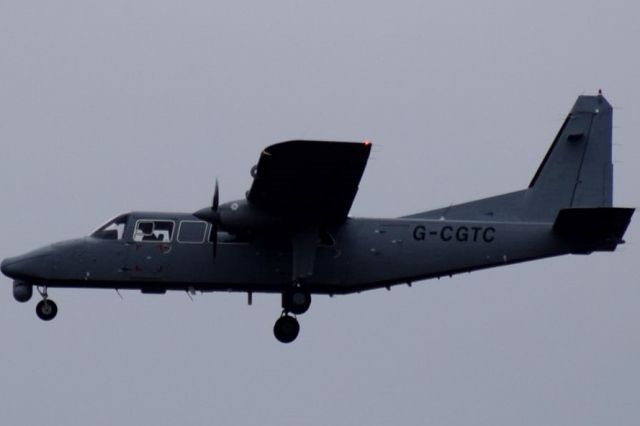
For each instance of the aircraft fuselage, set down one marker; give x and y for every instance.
(360, 254)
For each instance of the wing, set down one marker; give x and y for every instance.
(315, 179)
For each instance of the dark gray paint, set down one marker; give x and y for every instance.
(366, 253)
(460, 99)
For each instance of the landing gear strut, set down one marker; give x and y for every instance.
(46, 309)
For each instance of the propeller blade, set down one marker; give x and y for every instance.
(211, 215)
(214, 238)
(214, 205)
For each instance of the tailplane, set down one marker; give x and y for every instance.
(591, 229)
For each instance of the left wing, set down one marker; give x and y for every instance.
(314, 180)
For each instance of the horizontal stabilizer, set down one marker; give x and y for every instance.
(601, 228)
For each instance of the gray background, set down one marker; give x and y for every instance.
(107, 107)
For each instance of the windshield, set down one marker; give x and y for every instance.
(112, 230)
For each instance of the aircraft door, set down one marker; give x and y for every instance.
(148, 254)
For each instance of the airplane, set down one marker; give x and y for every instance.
(292, 234)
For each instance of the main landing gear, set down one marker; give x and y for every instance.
(295, 301)
(286, 328)
(46, 309)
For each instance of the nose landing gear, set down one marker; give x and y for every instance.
(46, 309)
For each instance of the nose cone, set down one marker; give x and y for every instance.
(12, 267)
(30, 265)
(5, 267)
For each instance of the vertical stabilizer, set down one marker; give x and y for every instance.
(577, 171)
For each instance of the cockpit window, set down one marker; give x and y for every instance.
(153, 231)
(112, 230)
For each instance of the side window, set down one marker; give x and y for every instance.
(153, 231)
(191, 231)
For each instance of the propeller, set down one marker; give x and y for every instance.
(212, 215)
(216, 221)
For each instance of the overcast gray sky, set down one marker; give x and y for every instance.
(107, 107)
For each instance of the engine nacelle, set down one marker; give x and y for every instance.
(240, 216)
(22, 291)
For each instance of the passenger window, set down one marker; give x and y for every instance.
(191, 231)
(153, 231)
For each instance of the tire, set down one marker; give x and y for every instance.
(296, 301)
(46, 310)
(286, 329)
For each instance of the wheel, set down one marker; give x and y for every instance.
(286, 329)
(296, 301)
(46, 310)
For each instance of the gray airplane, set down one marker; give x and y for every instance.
(292, 234)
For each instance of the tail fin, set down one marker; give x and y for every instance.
(577, 171)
